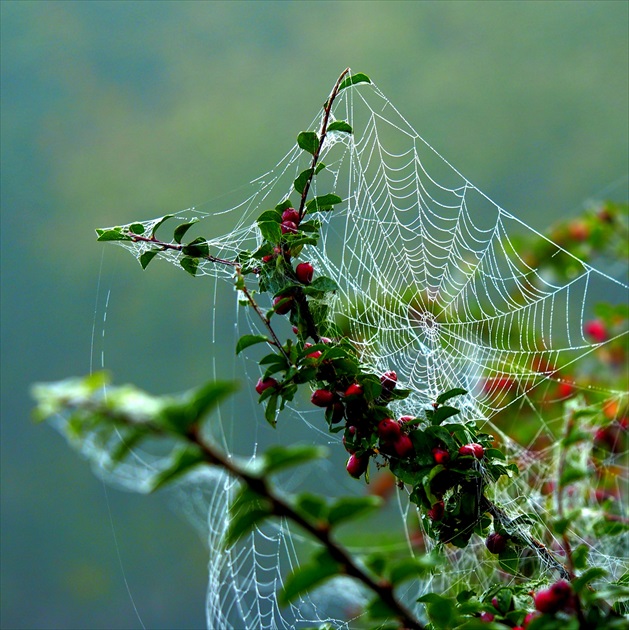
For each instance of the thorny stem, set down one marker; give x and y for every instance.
(281, 508)
(324, 129)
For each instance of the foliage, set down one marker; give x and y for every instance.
(450, 468)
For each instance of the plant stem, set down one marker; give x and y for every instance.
(324, 129)
(178, 247)
(281, 508)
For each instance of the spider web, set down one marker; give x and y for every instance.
(434, 284)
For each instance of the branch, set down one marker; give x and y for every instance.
(281, 508)
(322, 134)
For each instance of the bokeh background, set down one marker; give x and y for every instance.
(115, 111)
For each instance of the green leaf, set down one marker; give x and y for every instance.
(323, 203)
(198, 248)
(443, 413)
(509, 560)
(377, 609)
(410, 568)
(340, 125)
(284, 205)
(112, 234)
(348, 508)
(160, 222)
(249, 340)
(319, 167)
(305, 578)
(244, 521)
(441, 610)
(204, 398)
(136, 228)
(182, 461)
(323, 283)
(312, 505)
(451, 393)
(353, 80)
(280, 457)
(308, 141)
(271, 408)
(302, 180)
(147, 256)
(593, 573)
(190, 265)
(181, 230)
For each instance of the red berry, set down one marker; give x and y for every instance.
(473, 449)
(486, 617)
(403, 445)
(529, 617)
(578, 230)
(435, 513)
(296, 330)
(285, 306)
(356, 466)
(288, 227)
(261, 385)
(596, 330)
(389, 429)
(304, 272)
(354, 390)
(388, 380)
(290, 214)
(496, 543)
(266, 259)
(405, 419)
(325, 340)
(440, 455)
(565, 390)
(546, 602)
(517, 628)
(322, 398)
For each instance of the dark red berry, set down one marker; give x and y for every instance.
(389, 429)
(304, 272)
(405, 419)
(435, 513)
(473, 449)
(356, 466)
(388, 380)
(496, 543)
(285, 306)
(265, 384)
(266, 259)
(555, 598)
(322, 398)
(288, 227)
(440, 455)
(354, 390)
(403, 445)
(290, 214)
(486, 617)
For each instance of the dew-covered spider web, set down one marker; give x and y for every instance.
(436, 282)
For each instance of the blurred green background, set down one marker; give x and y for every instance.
(115, 111)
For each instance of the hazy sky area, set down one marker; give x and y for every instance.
(115, 111)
